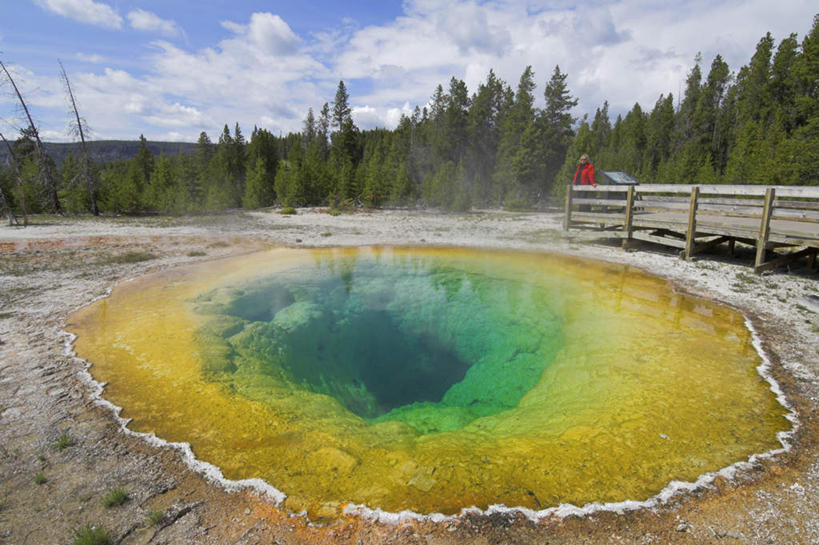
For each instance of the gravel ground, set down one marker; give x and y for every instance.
(62, 453)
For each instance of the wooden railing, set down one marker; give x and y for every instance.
(697, 217)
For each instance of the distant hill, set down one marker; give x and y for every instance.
(106, 151)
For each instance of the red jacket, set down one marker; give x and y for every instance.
(587, 178)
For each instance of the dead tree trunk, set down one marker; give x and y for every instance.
(86, 160)
(46, 172)
(16, 170)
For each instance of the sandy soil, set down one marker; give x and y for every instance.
(49, 489)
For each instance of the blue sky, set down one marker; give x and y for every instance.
(171, 69)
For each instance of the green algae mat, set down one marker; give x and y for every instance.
(433, 379)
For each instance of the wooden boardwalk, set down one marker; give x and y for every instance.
(699, 217)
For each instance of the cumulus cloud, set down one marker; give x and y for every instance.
(613, 50)
(257, 73)
(262, 72)
(140, 19)
(175, 115)
(267, 33)
(85, 11)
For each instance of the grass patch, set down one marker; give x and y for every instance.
(746, 278)
(197, 253)
(91, 535)
(327, 234)
(155, 517)
(4, 315)
(63, 442)
(128, 257)
(40, 478)
(287, 210)
(218, 244)
(334, 211)
(116, 497)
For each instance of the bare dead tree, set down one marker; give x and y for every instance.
(46, 171)
(87, 172)
(18, 178)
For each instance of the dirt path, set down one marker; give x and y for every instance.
(61, 453)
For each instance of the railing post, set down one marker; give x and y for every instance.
(567, 217)
(690, 235)
(764, 228)
(629, 216)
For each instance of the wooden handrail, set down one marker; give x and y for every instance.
(776, 215)
(806, 192)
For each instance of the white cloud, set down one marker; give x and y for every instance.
(267, 34)
(92, 58)
(620, 51)
(148, 21)
(261, 72)
(175, 115)
(257, 76)
(85, 11)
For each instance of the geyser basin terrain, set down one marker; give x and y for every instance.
(433, 379)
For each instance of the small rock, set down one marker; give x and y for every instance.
(247, 511)
(684, 527)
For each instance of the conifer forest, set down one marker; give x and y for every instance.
(485, 147)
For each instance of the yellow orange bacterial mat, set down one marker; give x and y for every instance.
(433, 379)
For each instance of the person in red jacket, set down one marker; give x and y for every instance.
(584, 175)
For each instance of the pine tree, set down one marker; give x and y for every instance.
(161, 191)
(556, 123)
(707, 137)
(783, 83)
(323, 129)
(341, 107)
(487, 109)
(744, 159)
(73, 193)
(454, 135)
(520, 117)
(143, 165)
(345, 152)
(263, 145)
(309, 131)
(258, 187)
(803, 146)
(238, 162)
(753, 96)
(659, 135)
(601, 130)
(188, 193)
(632, 141)
(684, 120)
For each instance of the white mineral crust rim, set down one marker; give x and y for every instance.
(672, 490)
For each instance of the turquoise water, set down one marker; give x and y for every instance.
(429, 345)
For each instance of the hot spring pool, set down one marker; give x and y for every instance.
(433, 379)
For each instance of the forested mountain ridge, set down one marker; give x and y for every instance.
(107, 151)
(490, 147)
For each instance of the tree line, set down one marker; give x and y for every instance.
(492, 147)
